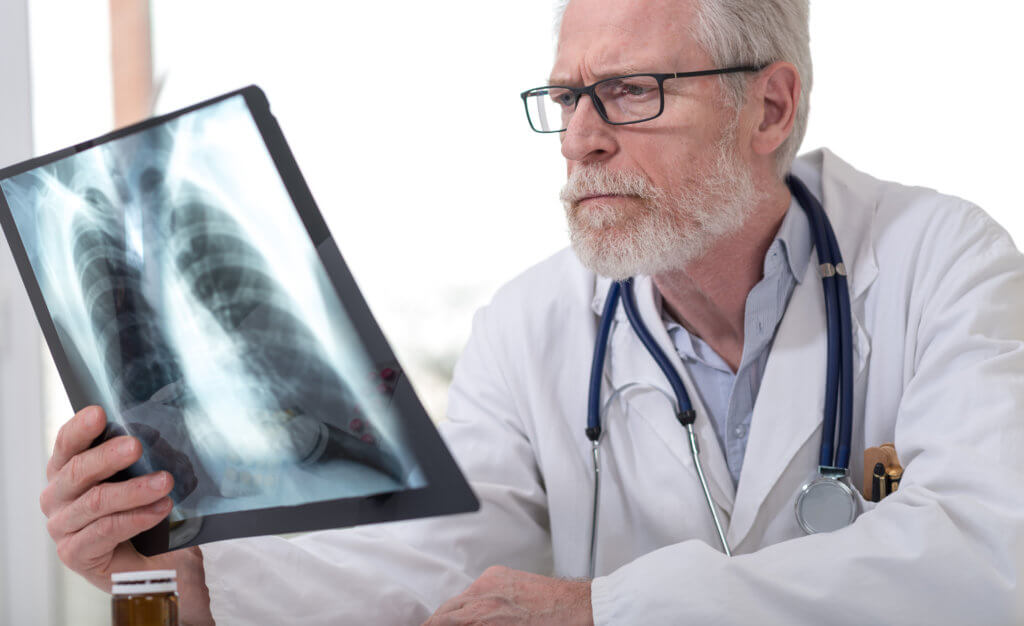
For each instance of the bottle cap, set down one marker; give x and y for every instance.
(149, 581)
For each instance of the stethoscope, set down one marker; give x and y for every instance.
(826, 502)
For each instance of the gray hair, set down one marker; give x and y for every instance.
(755, 32)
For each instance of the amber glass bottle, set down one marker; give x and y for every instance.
(145, 598)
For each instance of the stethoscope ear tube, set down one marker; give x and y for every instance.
(596, 448)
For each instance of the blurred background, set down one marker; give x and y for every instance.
(406, 121)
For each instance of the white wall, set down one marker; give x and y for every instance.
(27, 561)
(925, 92)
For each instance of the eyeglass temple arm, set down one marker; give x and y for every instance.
(723, 70)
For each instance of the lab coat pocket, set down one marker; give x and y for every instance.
(865, 505)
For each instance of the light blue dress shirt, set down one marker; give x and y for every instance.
(728, 397)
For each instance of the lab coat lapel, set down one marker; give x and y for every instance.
(790, 402)
(630, 363)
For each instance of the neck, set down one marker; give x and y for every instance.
(709, 296)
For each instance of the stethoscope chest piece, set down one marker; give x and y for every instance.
(826, 503)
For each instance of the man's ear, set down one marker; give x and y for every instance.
(774, 97)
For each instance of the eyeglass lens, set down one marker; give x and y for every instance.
(624, 99)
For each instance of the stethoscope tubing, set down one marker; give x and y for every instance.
(832, 374)
(597, 364)
(684, 408)
(839, 369)
(846, 347)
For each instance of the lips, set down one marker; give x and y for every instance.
(596, 183)
(601, 196)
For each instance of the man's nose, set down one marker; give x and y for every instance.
(588, 138)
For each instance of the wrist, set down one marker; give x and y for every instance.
(580, 601)
(193, 594)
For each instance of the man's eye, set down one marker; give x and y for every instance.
(564, 98)
(634, 90)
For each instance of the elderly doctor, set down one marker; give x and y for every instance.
(691, 200)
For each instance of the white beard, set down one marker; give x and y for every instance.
(669, 231)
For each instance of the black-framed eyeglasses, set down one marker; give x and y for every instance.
(619, 100)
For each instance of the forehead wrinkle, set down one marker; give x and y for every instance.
(595, 75)
(616, 51)
(606, 62)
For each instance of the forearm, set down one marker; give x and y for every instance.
(324, 578)
(912, 559)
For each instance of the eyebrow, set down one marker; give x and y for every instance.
(624, 70)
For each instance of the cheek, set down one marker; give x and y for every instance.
(682, 144)
(666, 163)
(678, 164)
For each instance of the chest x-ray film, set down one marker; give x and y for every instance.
(187, 283)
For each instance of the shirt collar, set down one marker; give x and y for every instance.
(794, 240)
(794, 236)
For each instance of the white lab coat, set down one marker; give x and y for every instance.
(938, 312)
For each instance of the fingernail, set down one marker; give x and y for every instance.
(160, 506)
(158, 482)
(126, 447)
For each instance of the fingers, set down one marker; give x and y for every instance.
(480, 587)
(75, 436)
(507, 596)
(487, 609)
(85, 469)
(82, 550)
(108, 499)
(91, 521)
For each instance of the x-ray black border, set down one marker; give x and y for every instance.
(447, 490)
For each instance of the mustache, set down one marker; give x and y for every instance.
(585, 182)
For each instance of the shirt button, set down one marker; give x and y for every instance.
(740, 431)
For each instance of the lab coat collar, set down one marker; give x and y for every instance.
(795, 236)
